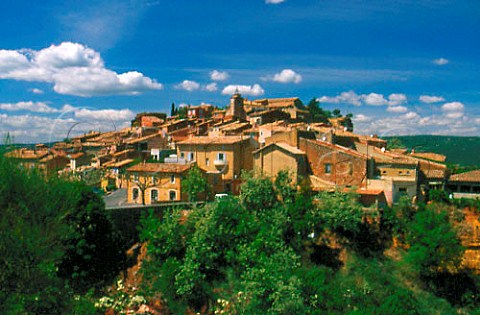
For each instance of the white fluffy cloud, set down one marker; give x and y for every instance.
(440, 61)
(373, 99)
(188, 85)
(211, 87)
(451, 120)
(274, 1)
(287, 76)
(216, 75)
(104, 114)
(397, 109)
(396, 99)
(38, 107)
(30, 128)
(453, 110)
(430, 99)
(253, 90)
(36, 91)
(361, 118)
(73, 69)
(453, 107)
(349, 97)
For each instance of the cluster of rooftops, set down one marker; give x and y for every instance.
(266, 135)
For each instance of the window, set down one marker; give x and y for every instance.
(402, 190)
(399, 172)
(190, 156)
(154, 180)
(172, 179)
(384, 172)
(182, 155)
(328, 168)
(154, 195)
(221, 156)
(207, 161)
(135, 193)
(135, 177)
(172, 195)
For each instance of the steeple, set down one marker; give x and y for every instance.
(236, 109)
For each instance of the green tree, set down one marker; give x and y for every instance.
(434, 245)
(347, 122)
(195, 184)
(395, 143)
(336, 113)
(257, 192)
(338, 211)
(182, 112)
(317, 114)
(30, 233)
(94, 253)
(33, 229)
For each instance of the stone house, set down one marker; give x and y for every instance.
(222, 158)
(280, 156)
(156, 182)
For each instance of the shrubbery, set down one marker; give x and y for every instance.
(56, 243)
(265, 253)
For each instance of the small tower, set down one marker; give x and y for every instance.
(236, 109)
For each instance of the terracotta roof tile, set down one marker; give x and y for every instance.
(214, 140)
(284, 146)
(338, 147)
(472, 176)
(159, 168)
(75, 155)
(431, 156)
(435, 173)
(137, 140)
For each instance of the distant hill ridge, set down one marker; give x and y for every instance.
(464, 151)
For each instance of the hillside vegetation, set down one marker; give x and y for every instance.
(272, 250)
(464, 151)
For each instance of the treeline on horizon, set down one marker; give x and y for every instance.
(272, 250)
(461, 151)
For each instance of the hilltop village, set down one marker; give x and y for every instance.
(150, 159)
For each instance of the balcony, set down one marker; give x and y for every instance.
(218, 162)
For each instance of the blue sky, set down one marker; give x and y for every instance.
(401, 67)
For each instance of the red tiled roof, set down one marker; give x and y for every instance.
(26, 154)
(75, 155)
(213, 140)
(338, 147)
(159, 168)
(136, 140)
(284, 146)
(429, 173)
(472, 176)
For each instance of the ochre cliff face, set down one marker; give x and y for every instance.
(471, 240)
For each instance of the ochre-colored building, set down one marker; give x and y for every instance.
(222, 158)
(277, 157)
(156, 182)
(335, 164)
(43, 160)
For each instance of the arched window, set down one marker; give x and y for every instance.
(154, 195)
(172, 195)
(135, 193)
